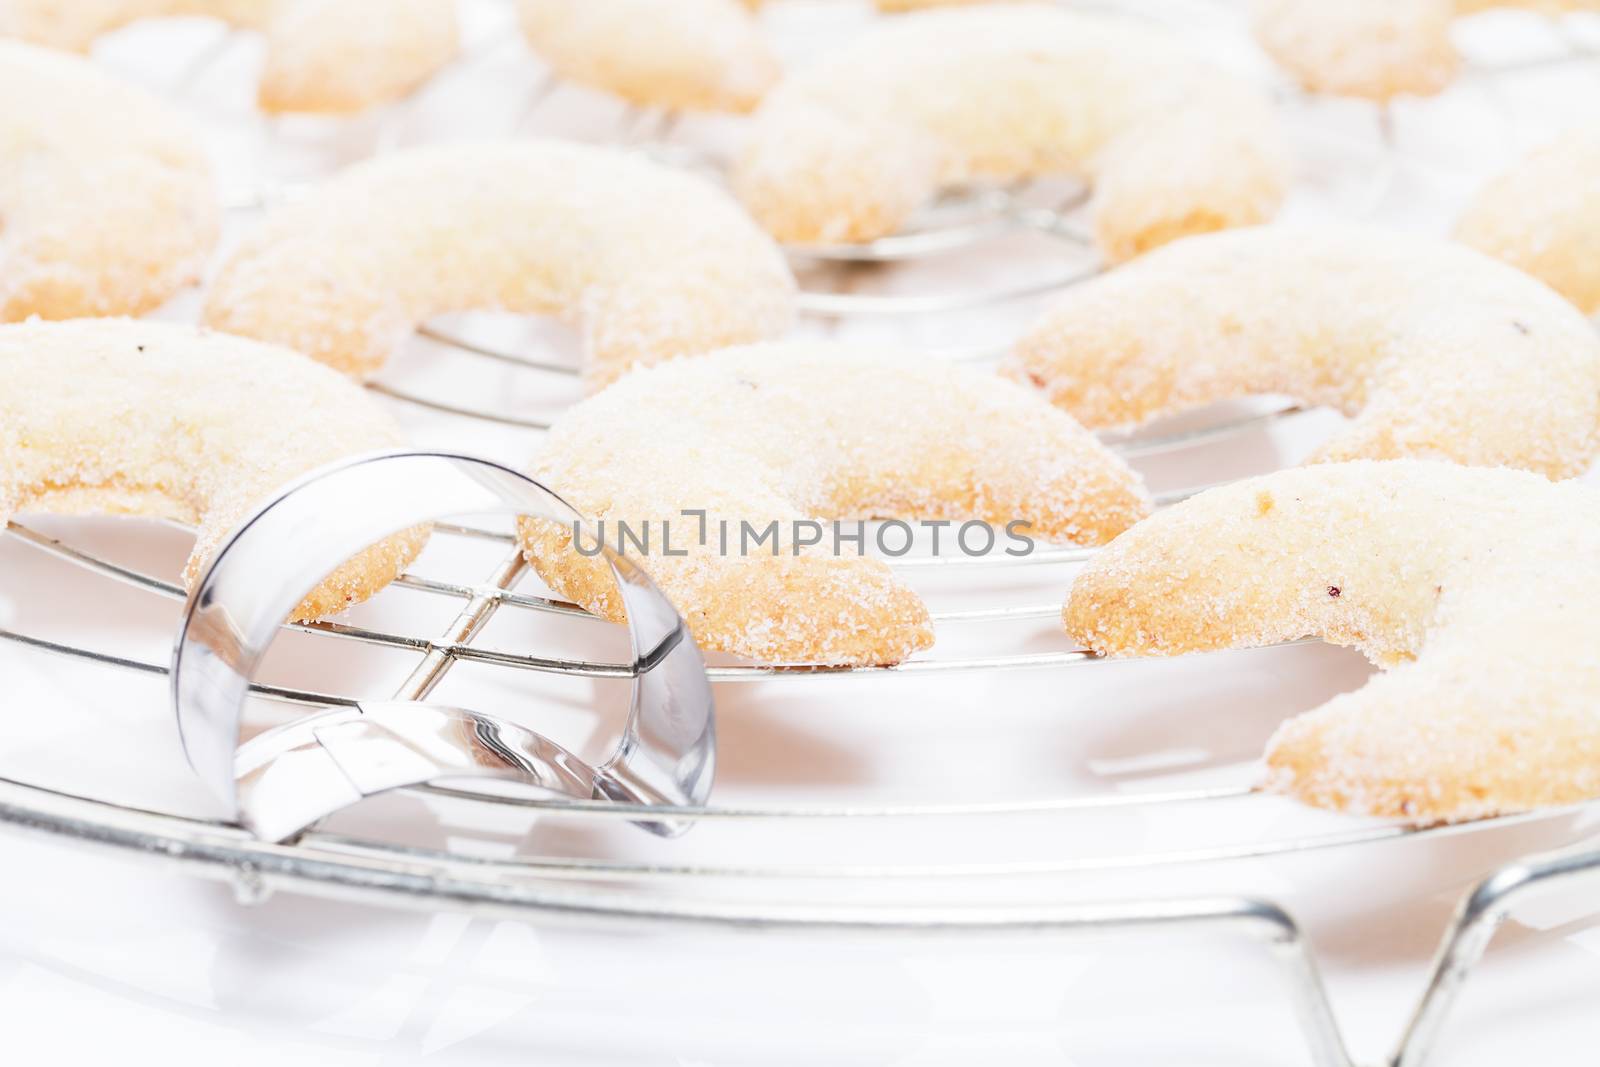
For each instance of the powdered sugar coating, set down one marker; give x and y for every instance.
(1476, 588)
(322, 55)
(847, 148)
(1377, 49)
(74, 26)
(1543, 215)
(699, 55)
(893, 6)
(798, 430)
(107, 203)
(121, 417)
(1437, 351)
(651, 263)
(341, 56)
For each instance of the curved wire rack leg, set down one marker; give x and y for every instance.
(256, 868)
(227, 853)
(1478, 916)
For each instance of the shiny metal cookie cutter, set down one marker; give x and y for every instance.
(286, 778)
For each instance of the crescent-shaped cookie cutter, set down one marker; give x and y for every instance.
(287, 778)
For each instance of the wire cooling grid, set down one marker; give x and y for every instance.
(556, 886)
(728, 892)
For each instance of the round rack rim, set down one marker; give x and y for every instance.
(23, 803)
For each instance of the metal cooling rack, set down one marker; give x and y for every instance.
(556, 887)
(560, 887)
(553, 886)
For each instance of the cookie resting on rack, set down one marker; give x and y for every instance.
(650, 262)
(798, 431)
(893, 6)
(121, 417)
(851, 146)
(1376, 49)
(1543, 215)
(694, 55)
(1475, 588)
(321, 55)
(107, 201)
(1435, 350)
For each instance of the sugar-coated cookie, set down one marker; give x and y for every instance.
(1475, 588)
(804, 432)
(322, 55)
(696, 55)
(107, 201)
(1543, 215)
(849, 147)
(1436, 351)
(1377, 49)
(121, 417)
(650, 262)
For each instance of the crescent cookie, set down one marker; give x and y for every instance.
(1476, 588)
(121, 417)
(848, 148)
(341, 56)
(651, 263)
(894, 6)
(791, 432)
(1434, 350)
(1378, 49)
(697, 55)
(1544, 217)
(107, 202)
(322, 55)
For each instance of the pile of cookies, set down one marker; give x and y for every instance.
(1434, 531)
